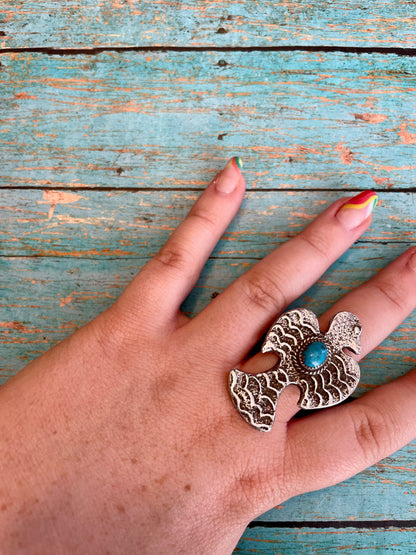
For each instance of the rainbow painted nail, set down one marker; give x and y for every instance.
(365, 199)
(238, 162)
(357, 209)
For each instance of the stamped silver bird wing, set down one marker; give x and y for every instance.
(331, 385)
(255, 395)
(289, 330)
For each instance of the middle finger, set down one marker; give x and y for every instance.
(255, 299)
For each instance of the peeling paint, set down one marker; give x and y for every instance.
(370, 118)
(407, 137)
(346, 156)
(58, 197)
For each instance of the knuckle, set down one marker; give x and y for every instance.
(371, 432)
(248, 489)
(203, 217)
(317, 241)
(108, 334)
(264, 292)
(392, 292)
(174, 257)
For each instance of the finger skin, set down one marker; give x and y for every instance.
(347, 439)
(340, 442)
(166, 280)
(382, 303)
(249, 305)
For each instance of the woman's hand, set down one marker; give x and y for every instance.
(123, 438)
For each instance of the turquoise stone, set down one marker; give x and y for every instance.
(315, 354)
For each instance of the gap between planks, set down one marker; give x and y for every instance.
(199, 189)
(334, 524)
(146, 258)
(51, 51)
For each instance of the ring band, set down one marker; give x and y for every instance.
(317, 363)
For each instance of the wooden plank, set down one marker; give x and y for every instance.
(384, 491)
(94, 223)
(171, 119)
(42, 300)
(93, 23)
(327, 541)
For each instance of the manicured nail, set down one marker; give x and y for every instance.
(356, 210)
(412, 262)
(228, 179)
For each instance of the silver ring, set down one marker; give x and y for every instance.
(317, 363)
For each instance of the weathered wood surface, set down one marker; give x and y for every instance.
(94, 23)
(307, 541)
(149, 129)
(300, 120)
(44, 299)
(47, 298)
(94, 223)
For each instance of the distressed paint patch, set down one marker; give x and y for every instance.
(370, 118)
(58, 197)
(66, 300)
(347, 157)
(25, 95)
(407, 137)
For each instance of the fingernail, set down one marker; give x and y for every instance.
(412, 262)
(228, 179)
(356, 210)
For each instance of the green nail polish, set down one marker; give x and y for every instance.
(239, 162)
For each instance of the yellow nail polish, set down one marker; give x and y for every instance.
(356, 210)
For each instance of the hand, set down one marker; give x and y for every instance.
(123, 438)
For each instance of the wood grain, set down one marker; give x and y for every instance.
(327, 541)
(236, 23)
(102, 154)
(300, 120)
(99, 224)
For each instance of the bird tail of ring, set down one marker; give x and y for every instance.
(255, 397)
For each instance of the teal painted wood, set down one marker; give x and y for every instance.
(307, 541)
(300, 120)
(385, 491)
(93, 223)
(92, 23)
(164, 122)
(44, 299)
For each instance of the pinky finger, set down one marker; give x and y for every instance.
(344, 440)
(349, 438)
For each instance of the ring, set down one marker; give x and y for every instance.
(317, 363)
